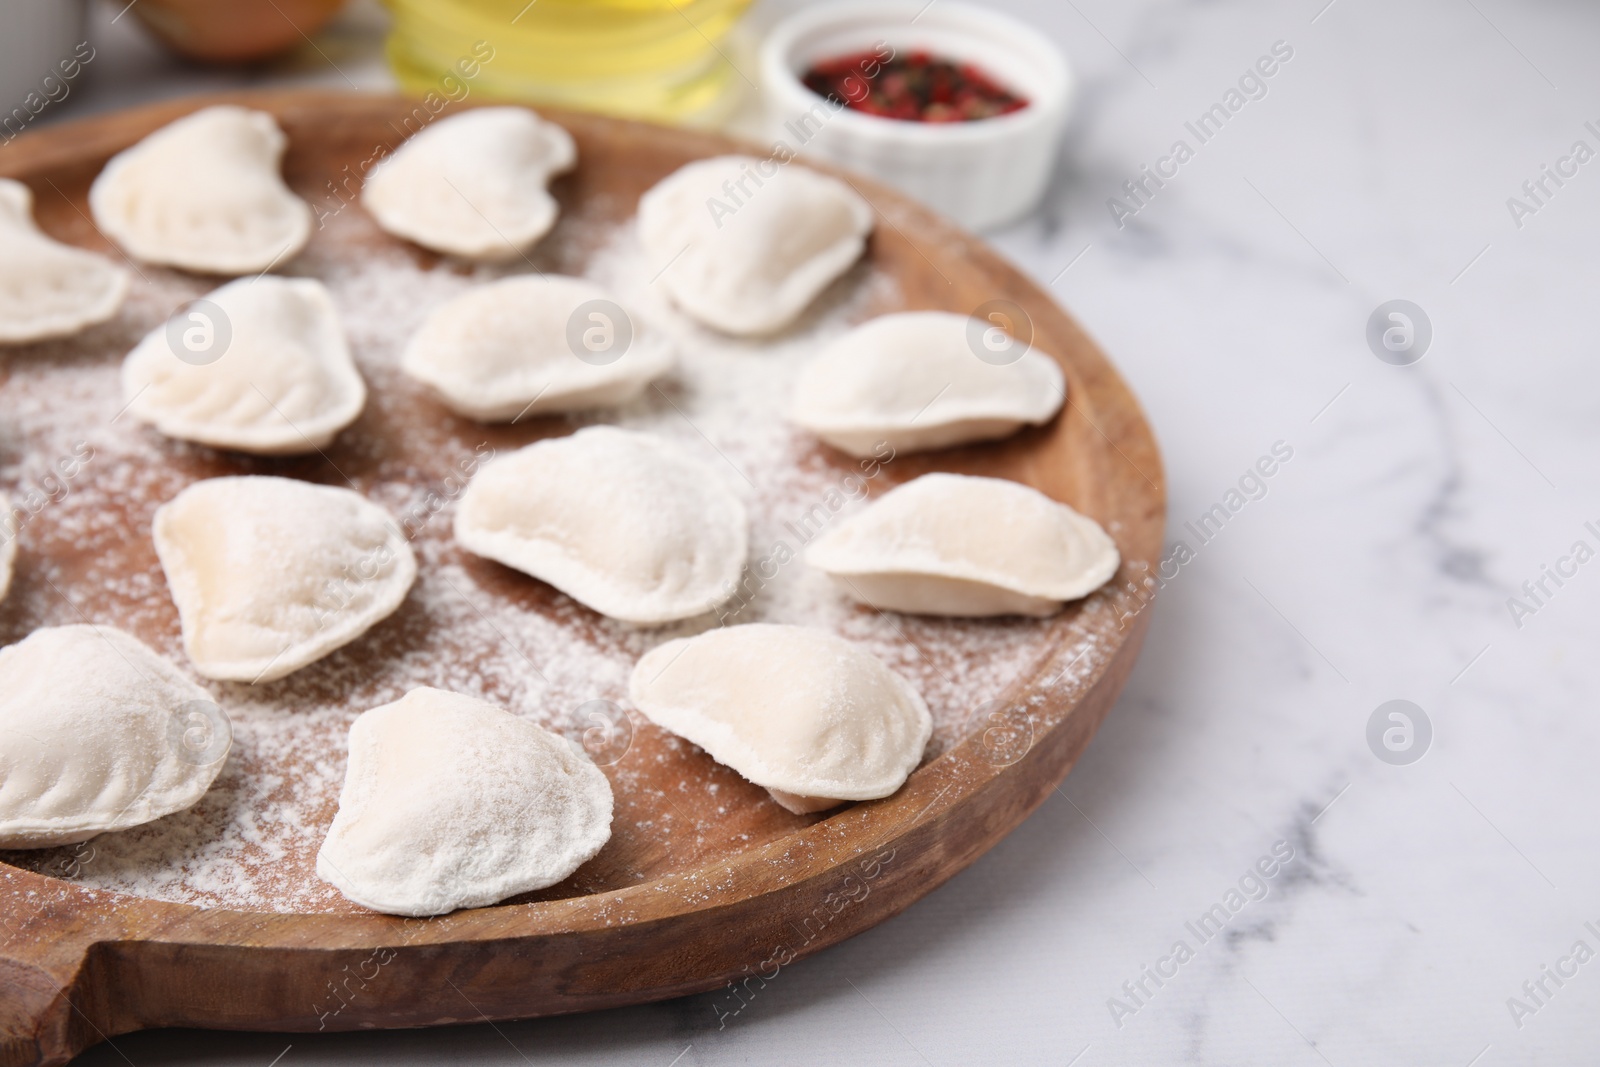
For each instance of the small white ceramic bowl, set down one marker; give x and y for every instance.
(983, 173)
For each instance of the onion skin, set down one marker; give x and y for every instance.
(234, 31)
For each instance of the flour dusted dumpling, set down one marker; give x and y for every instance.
(271, 574)
(744, 245)
(473, 185)
(8, 544)
(204, 194)
(950, 544)
(805, 714)
(916, 381)
(95, 735)
(450, 803)
(260, 365)
(535, 345)
(626, 523)
(48, 289)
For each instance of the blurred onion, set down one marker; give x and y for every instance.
(234, 31)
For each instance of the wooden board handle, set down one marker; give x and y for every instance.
(46, 938)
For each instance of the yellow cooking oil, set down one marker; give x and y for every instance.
(660, 60)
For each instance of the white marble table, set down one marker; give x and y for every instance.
(1378, 565)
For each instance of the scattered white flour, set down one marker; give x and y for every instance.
(469, 625)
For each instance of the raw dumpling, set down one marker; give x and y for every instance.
(93, 737)
(260, 365)
(473, 185)
(48, 289)
(744, 250)
(8, 544)
(533, 345)
(271, 574)
(914, 380)
(807, 715)
(950, 544)
(622, 522)
(204, 194)
(450, 802)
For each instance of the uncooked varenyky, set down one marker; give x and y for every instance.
(744, 245)
(204, 194)
(48, 289)
(624, 522)
(951, 544)
(450, 802)
(473, 185)
(272, 574)
(88, 742)
(535, 345)
(924, 379)
(264, 369)
(798, 710)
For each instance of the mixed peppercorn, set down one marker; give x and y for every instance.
(916, 87)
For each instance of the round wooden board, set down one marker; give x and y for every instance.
(756, 887)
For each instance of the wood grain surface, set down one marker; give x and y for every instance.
(738, 888)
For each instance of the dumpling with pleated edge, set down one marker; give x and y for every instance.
(627, 523)
(8, 545)
(474, 185)
(49, 289)
(809, 716)
(450, 802)
(745, 245)
(272, 574)
(953, 544)
(93, 727)
(204, 194)
(916, 380)
(535, 345)
(259, 365)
